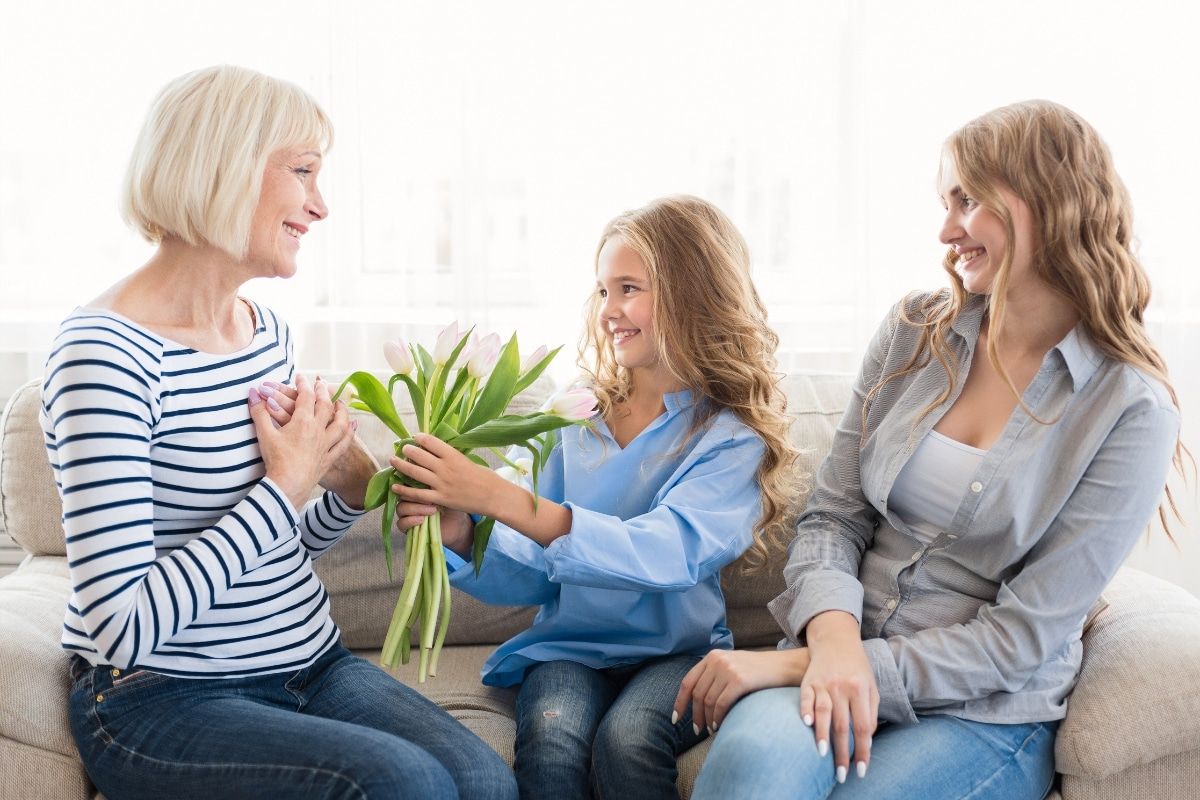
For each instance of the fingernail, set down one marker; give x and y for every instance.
(808, 720)
(255, 397)
(353, 424)
(674, 717)
(714, 727)
(861, 769)
(822, 748)
(273, 403)
(266, 391)
(696, 729)
(841, 774)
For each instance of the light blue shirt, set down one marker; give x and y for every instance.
(638, 574)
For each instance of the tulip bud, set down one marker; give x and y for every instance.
(447, 340)
(484, 356)
(509, 474)
(398, 357)
(573, 404)
(534, 358)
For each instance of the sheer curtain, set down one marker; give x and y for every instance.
(482, 147)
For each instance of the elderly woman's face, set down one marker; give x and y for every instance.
(288, 203)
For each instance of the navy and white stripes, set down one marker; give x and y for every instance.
(184, 558)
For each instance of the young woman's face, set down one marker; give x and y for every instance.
(288, 203)
(978, 237)
(626, 304)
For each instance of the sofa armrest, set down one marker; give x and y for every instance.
(1138, 695)
(35, 677)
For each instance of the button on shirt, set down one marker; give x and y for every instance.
(638, 575)
(986, 626)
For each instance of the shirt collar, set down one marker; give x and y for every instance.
(677, 401)
(1077, 349)
(1080, 354)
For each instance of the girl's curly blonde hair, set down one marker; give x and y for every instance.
(712, 336)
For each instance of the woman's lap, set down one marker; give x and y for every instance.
(763, 749)
(341, 728)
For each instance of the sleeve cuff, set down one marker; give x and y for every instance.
(454, 562)
(817, 592)
(894, 705)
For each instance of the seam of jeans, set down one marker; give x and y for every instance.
(252, 765)
(1040, 728)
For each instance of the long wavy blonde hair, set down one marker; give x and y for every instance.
(711, 335)
(1054, 161)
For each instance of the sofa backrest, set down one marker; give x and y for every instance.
(354, 572)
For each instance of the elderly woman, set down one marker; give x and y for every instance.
(205, 660)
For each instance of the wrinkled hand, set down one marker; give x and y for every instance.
(347, 475)
(297, 454)
(454, 481)
(838, 691)
(725, 676)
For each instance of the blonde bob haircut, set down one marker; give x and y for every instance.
(196, 170)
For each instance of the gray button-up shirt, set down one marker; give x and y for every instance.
(984, 622)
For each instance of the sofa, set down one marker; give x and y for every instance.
(1132, 730)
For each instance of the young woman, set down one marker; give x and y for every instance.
(206, 663)
(1006, 442)
(686, 465)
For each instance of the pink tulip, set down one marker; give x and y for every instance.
(533, 359)
(447, 340)
(483, 356)
(399, 357)
(573, 404)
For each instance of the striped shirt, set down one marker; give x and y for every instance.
(184, 558)
(983, 622)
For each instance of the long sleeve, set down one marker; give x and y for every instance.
(324, 521)
(702, 520)
(1042, 605)
(101, 403)
(838, 523)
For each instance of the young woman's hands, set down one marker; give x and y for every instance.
(299, 453)
(838, 693)
(724, 676)
(349, 474)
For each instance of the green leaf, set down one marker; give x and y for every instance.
(451, 399)
(508, 430)
(359, 404)
(440, 373)
(415, 393)
(498, 391)
(377, 488)
(425, 365)
(483, 532)
(535, 372)
(445, 432)
(479, 460)
(389, 516)
(378, 400)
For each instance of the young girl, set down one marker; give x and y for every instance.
(1005, 445)
(686, 465)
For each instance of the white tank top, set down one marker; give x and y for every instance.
(930, 487)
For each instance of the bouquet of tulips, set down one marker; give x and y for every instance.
(459, 397)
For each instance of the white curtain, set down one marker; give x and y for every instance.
(481, 147)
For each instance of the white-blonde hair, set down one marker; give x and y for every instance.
(196, 170)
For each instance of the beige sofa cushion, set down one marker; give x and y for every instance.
(29, 501)
(35, 679)
(1133, 705)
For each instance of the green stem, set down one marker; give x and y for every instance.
(444, 620)
(404, 606)
(500, 455)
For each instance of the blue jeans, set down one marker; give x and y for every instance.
(605, 733)
(765, 751)
(341, 728)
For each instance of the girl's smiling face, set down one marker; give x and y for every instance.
(626, 305)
